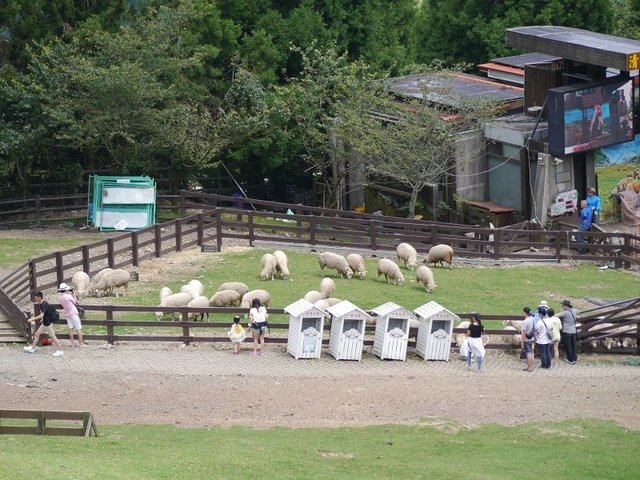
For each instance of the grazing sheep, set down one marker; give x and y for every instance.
(225, 298)
(408, 255)
(514, 323)
(337, 262)
(239, 287)
(198, 302)
(332, 301)
(181, 299)
(322, 304)
(312, 296)
(112, 280)
(327, 287)
(356, 263)
(390, 270)
(268, 264)
(164, 292)
(282, 264)
(439, 253)
(198, 285)
(262, 295)
(191, 290)
(96, 278)
(511, 337)
(424, 275)
(81, 283)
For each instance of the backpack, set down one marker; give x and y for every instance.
(50, 313)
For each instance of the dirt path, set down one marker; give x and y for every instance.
(208, 386)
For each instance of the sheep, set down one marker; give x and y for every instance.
(514, 323)
(225, 298)
(174, 300)
(322, 304)
(262, 295)
(190, 289)
(239, 287)
(337, 262)
(408, 255)
(312, 296)
(439, 253)
(268, 264)
(332, 301)
(198, 302)
(327, 287)
(461, 339)
(424, 275)
(606, 341)
(356, 263)
(80, 282)
(510, 337)
(164, 292)
(96, 278)
(198, 285)
(390, 270)
(111, 280)
(281, 264)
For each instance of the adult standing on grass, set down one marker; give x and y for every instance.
(528, 337)
(258, 321)
(556, 326)
(48, 317)
(476, 345)
(568, 336)
(584, 224)
(68, 301)
(544, 338)
(593, 202)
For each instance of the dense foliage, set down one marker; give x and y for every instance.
(263, 88)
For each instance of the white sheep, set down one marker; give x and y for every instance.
(608, 341)
(190, 289)
(439, 253)
(268, 264)
(282, 264)
(424, 275)
(225, 298)
(390, 270)
(198, 285)
(327, 287)
(510, 336)
(112, 280)
(239, 287)
(322, 304)
(356, 263)
(96, 278)
(312, 296)
(198, 302)
(81, 283)
(180, 299)
(408, 255)
(335, 261)
(331, 301)
(462, 340)
(164, 292)
(514, 323)
(262, 295)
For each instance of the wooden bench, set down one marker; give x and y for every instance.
(86, 429)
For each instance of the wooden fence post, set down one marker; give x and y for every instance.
(157, 232)
(59, 272)
(185, 328)
(626, 248)
(312, 229)
(372, 234)
(251, 228)
(33, 280)
(110, 324)
(200, 229)
(218, 216)
(434, 235)
(86, 260)
(134, 249)
(178, 233)
(496, 244)
(558, 246)
(111, 261)
(37, 206)
(183, 209)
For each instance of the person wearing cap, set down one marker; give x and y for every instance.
(528, 337)
(476, 345)
(568, 335)
(594, 203)
(584, 224)
(68, 301)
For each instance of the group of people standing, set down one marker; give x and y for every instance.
(543, 329)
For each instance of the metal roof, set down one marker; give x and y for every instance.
(430, 309)
(449, 89)
(526, 59)
(302, 306)
(388, 308)
(578, 45)
(344, 307)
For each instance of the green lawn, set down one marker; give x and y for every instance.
(14, 251)
(574, 449)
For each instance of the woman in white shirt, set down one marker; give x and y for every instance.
(544, 338)
(258, 321)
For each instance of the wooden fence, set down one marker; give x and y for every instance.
(65, 423)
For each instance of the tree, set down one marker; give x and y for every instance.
(418, 146)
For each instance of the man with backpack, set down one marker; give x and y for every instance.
(528, 337)
(49, 316)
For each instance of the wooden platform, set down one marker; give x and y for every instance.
(79, 424)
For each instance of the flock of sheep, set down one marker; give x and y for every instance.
(105, 282)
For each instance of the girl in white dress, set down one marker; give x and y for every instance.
(237, 334)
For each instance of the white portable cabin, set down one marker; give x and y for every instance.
(347, 331)
(392, 331)
(434, 331)
(306, 323)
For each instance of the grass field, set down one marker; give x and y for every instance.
(14, 251)
(562, 450)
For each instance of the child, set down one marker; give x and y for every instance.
(237, 334)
